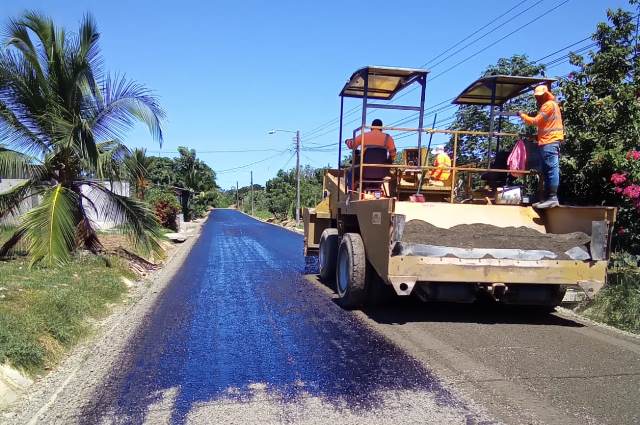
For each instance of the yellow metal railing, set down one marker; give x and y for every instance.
(454, 169)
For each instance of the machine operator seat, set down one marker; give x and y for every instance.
(372, 177)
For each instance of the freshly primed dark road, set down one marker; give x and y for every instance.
(245, 334)
(240, 315)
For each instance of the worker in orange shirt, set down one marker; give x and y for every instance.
(550, 135)
(376, 138)
(443, 162)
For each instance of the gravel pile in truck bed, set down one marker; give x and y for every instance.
(487, 236)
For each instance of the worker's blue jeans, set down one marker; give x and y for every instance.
(550, 164)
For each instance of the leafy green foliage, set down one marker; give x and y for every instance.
(602, 118)
(189, 172)
(50, 228)
(61, 119)
(161, 171)
(281, 194)
(138, 165)
(474, 149)
(165, 206)
(281, 191)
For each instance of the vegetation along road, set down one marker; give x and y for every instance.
(244, 333)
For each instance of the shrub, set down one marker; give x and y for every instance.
(626, 185)
(165, 206)
(618, 304)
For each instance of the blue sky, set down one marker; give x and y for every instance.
(227, 72)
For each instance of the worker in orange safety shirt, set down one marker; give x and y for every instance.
(373, 138)
(550, 135)
(376, 137)
(443, 162)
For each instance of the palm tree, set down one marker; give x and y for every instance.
(61, 119)
(138, 165)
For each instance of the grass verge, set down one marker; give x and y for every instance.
(618, 303)
(45, 311)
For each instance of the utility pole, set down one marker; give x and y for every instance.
(297, 177)
(252, 192)
(237, 196)
(297, 140)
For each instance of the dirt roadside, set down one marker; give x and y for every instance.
(88, 364)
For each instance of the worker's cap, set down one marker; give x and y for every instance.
(540, 90)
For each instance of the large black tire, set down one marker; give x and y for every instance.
(328, 254)
(351, 272)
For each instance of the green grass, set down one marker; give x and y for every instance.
(618, 303)
(264, 215)
(44, 312)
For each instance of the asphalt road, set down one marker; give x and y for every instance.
(241, 336)
(246, 334)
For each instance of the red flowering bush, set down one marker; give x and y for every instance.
(633, 155)
(618, 179)
(626, 184)
(165, 206)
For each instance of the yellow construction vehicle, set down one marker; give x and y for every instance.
(458, 240)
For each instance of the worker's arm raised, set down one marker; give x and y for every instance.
(545, 111)
(351, 144)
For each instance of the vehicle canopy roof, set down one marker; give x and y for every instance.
(498, 89)
(384, 82)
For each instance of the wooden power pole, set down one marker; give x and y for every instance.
(252, 213)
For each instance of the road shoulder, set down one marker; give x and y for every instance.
(88, 364)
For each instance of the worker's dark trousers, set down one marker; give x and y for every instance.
(550, 165)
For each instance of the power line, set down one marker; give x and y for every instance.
(537, 18)
(331, 122)
(250, 164)
(558, 5)
(562, 59)
(487, 33)
(219, 151)
(562, 50)
(472, 34)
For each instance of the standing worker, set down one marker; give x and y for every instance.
(550, 135)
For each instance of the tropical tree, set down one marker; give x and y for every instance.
(138, 165)
(281, 191)
(472, 148)
(601, 113)
(61, 121)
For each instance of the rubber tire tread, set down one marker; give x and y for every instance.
(329, 241)
(355, 295)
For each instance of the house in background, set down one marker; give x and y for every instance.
(26, 205)
(96, 201)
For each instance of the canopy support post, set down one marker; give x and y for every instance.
(492, 114)
(423, 84)
(340, 149)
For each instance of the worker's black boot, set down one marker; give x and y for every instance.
(551, 201)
